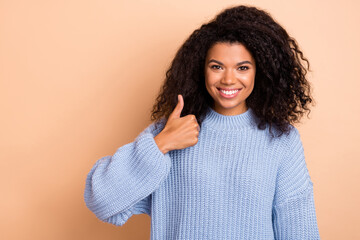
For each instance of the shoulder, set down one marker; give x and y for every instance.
(292, 137)
(286, 137)
(276, 136)
(292, 148)
(289, 140)
(287, 144)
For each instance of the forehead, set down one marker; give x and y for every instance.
(225, 50)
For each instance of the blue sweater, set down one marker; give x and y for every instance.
(236, 183)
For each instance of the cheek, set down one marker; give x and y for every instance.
(249, 81)
(209, 79)
(208, 85)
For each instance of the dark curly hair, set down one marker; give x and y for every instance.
(281, 92)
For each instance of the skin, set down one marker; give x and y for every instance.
(229, 65)
(179, 132)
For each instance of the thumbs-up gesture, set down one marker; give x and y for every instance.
(179, 132)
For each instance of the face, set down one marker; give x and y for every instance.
(229, 77)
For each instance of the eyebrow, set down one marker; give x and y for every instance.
(220, 63)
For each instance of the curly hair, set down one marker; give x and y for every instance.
(281, 92)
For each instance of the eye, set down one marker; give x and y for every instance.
(215, 67)
(243, 68)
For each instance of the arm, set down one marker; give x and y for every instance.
(119, 186)
(294, 215)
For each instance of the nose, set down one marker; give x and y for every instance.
(228, 77)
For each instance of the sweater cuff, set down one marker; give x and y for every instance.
(295, 218)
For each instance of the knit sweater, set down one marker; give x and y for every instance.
(236, 183)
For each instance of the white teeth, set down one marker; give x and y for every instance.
(229, 92)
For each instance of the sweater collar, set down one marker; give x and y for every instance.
(226, 122)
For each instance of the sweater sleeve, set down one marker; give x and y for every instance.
(294, 215)
(120, 185)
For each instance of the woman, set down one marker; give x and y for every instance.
(210, 165)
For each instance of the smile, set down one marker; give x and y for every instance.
(229, 94)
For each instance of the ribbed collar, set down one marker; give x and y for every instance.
(216, 120)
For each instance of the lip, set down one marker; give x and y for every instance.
(229, 96)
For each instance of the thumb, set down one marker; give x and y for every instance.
(179, 107)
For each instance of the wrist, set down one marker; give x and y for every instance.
(161, 144)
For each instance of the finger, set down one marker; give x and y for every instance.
(178, 108)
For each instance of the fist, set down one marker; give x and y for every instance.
(179, 132)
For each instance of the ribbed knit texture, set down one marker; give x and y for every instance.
(236, 183)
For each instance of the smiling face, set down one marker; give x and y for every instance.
(229, 66)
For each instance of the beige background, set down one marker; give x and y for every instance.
(78, 79)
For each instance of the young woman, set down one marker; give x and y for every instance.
(222, 159)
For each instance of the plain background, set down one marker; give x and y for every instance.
(78, 80)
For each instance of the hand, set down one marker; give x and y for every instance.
(179, 132)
